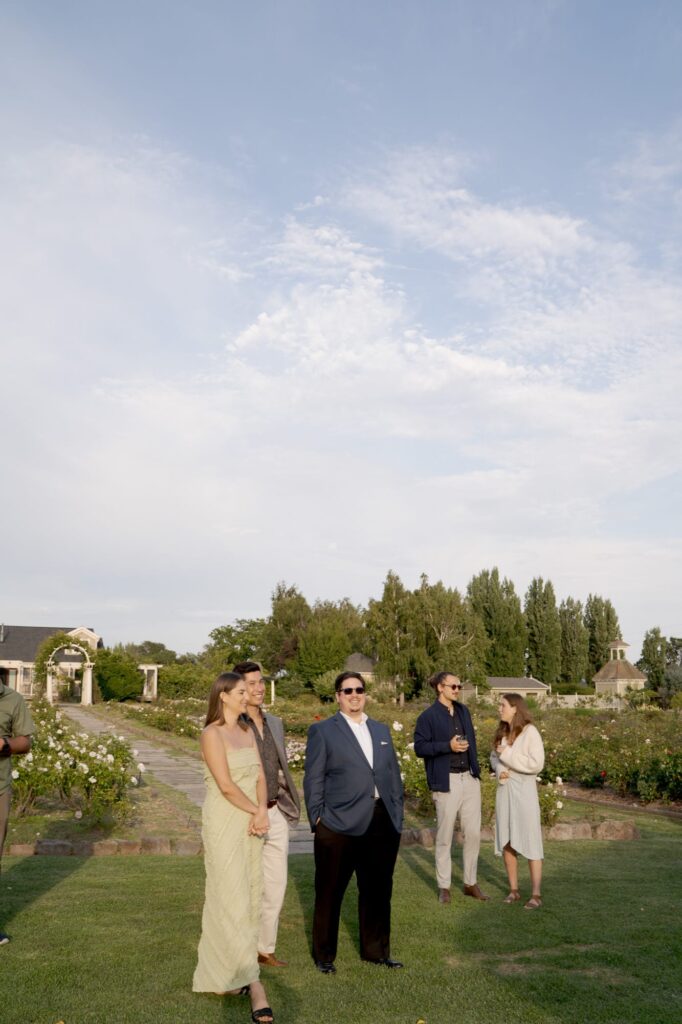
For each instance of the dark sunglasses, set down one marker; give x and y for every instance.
(347, 690)
(453, 686)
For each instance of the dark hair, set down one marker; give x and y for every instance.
(519, 722)
(438, 678)
(340, 679)
(225, 683)
(247, 666)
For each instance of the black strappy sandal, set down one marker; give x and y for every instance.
(261, 1015)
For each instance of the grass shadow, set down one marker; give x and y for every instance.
(29, 878)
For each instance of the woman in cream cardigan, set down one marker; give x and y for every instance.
(518, 755)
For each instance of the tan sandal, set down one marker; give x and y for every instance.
(513, 897)
(534, 902)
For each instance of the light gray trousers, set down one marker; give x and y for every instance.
(464, 798)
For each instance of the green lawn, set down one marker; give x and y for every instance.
(113, 940)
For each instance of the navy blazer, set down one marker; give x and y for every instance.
(432, 742)
(338, 784)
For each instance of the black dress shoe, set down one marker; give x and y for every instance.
(385, 962)
(325, 966)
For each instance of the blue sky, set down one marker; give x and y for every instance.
(310, 291)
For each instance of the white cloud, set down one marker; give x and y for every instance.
(653, 166)
(421, 196)
(202, 409)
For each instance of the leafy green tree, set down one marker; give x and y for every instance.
(574, 643)
(392, 632)
(186, 679)
(334, 630)
(603, 628)
(654, 658)
(149, 651)
(453, 636)
(243, 640)
(283, 630)
(497, 605)
(324, 688)
(117, 675)
(670, 693)
(543, 654)
(673, 651)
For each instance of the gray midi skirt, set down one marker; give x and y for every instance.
(517, 816)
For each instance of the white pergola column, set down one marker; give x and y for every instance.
(151, 681)
(86, 689)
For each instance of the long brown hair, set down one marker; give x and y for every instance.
(510, 730)
(225, 683)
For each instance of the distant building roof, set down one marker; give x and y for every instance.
(618, 643)
(21, 643)
(618, 669)
(512, 683)
(357, 662)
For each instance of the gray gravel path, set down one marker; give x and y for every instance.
(168, 766)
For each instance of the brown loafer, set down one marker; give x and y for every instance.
(443, 895)
(270, 960)
(475, 891)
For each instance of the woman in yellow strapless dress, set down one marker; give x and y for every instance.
(234, 820)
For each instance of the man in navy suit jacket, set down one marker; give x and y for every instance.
(354, 797)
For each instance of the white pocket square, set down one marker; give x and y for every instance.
(384, 743)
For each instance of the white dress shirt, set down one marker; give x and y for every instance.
(364, 738)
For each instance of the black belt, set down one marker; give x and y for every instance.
(458, 771)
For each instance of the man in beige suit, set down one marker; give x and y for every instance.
(284, 809)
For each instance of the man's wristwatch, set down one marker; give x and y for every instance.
(5, 751)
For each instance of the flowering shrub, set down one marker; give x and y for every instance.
(171, 716)
(637, 753)
(550, 803)
(94, 773)
(296, 754)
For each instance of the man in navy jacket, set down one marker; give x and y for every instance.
(444, 737)
(354, 798)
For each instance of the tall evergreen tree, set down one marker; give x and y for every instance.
(284, 628)
(603, 628)
(654, 658)
(543, 654)
(334, 630)
(392, 631)
(496, 603)
(453, 635)
(574, 642)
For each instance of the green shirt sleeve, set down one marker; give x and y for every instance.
(22, 723)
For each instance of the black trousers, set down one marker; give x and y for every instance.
(372, 857)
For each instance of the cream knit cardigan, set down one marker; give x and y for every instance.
(527, 754)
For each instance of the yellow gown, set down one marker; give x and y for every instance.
(228, 957)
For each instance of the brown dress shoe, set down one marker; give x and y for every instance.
(443, 895)
(270, 960)
(475, 891)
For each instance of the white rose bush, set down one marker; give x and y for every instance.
(93, 774)
(182, 718)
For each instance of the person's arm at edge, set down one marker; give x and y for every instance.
(313, 778)
(13, 745)
(424, 743)
(395, 769)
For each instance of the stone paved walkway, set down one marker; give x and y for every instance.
(179, 771)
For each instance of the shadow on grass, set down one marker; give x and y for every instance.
(607, 939)
(29, 878)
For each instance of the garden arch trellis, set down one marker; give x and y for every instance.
(71, 648)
